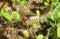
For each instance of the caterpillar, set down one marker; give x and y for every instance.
(36, 19)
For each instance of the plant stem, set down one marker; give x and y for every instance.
(3, 5)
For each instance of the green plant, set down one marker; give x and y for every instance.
(15, 15)
(55, 12)
(55, 17)
(10, 17)
(40, 37)
(6, 14)
(46, 3)
(24, 3)
(26, 33)
(35, 26)
(54, 23)
(58, 32)
(54, 3)
(16, 1)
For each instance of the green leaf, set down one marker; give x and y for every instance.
(46, 4)
(53, 32)
(58, 25)
(47, 1)
(59, 13)
(58, 32)
(24, 3)
(40, 37)
(15, 15)
(6, 14)
(54, 12)
(35, 26)
(56, 8)
(16, 1)
(52, 18)
(55, 0)
(26, 33)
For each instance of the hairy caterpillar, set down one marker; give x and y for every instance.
(36, 19)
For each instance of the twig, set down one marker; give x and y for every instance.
(48, 34)
(3, 5)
